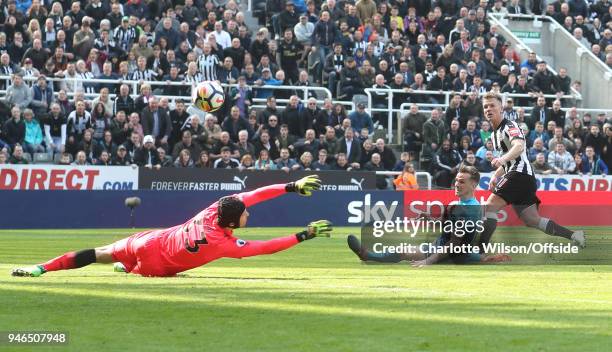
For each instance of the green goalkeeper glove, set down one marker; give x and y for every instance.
(304, 186)
(319, 228)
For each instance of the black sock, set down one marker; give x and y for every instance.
(84, 257)
(554, 229)
(490, 224)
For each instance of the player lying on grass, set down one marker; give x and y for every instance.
(468, 208)
(206, 237)
(514, 182)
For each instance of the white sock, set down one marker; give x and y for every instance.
(543, 223)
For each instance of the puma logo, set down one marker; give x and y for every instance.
(241, 181)
(358, 183)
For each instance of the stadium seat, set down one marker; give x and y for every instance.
(42, 158)
(360, 98)
(27, 156)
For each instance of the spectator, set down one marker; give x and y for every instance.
(33, 134)
(18, 93)
(446, 162)
(592, 163)
(560, 160)
(18, 157)
(42, 96)
(306, 161)
(595, 140)
(350, 149)
(246, 162)
(433, 133)
(147, 155)
(387, 156)
(264, 162)
(413, 129)
(308, 144)
(204, 161)
(285, 162)
(540, 166)
(55, 126)
(558, 138)
(184, 159)
(14, 129)
(407, 179)
(78, 121)
(474, 134)
(324, 35)
(122, 158)
(80, 159)
(360, 119)
(537, 148)
(156, 122)
(486, 165)
(321, 164)
(188, 144)
(226, 161)
(103, 159)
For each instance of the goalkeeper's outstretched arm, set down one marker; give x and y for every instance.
(304, 186)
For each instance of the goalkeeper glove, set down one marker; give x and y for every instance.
(319, 228)
(304, 186)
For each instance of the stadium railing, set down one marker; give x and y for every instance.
(134, 85)
(566, 51)
(390, 110)
(260, 102)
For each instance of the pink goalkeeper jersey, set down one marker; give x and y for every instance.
(201, 240)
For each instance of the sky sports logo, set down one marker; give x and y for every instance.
(367, 210)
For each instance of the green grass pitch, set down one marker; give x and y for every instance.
(313, 297)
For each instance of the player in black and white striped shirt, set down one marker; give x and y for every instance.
(514, 182)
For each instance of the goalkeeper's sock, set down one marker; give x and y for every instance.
(490, 224)
(552, 228)
(71, 260)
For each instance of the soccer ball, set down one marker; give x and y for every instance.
(208, 96)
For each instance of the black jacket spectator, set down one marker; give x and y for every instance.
(234, 126)
(125, 104)
(14, 132)
(544, 82)
(144, 156)
(291, 117)
(354, 155)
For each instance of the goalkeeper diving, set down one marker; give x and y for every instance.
(202, 239)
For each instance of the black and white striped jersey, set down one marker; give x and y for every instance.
(208, 66)
(146, 75)
(195, 79)
(502, 138)
(125, 37)
(88, 88)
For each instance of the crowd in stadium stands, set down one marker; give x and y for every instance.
(346, 46)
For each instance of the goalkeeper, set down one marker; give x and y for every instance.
(204, 238)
